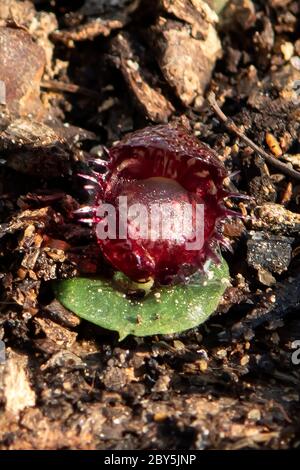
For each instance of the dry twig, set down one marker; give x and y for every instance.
(56, 85)
(231, 126)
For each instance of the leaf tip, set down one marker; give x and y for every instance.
(122, 335)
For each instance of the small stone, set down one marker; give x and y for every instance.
(162, 384)
(244, 360)
(254, 414)
(287, 49)
(178, 345)
(222, 353)
(275, 337)
(133, 65)
(265, 277)
(202, 363)
(269, 253)
(295, 61)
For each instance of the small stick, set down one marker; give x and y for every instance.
(231, 126)
(69, 88)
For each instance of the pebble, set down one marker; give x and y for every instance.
(295, 61)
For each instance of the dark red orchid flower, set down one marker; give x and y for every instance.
(158, 167)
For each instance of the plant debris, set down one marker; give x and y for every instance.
(75, 77)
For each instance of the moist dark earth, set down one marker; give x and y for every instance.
(75, 77)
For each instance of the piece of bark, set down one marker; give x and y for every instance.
(22, 64)
(42, 218)
(64, 359)
(100, 19)
(25, 293)
(196, 13)
(148, 97)
(187, 52)
(61, 315)
(34, 148)
(21, 13)
(17, 391)
(38, 23)
(27, 132)
(88, 31)
(63, 337)
(41, 27)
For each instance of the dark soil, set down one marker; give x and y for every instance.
(105, 70)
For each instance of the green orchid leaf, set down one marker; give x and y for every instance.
(163, 310)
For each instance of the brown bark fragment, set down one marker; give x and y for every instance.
(149, 98)
(22, 64)
(187, 52)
